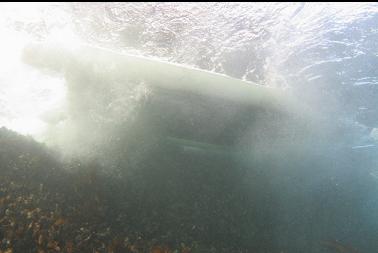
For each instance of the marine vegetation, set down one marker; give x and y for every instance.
(47, 205)
(165, 204)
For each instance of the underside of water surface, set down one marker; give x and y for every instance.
(188, 127)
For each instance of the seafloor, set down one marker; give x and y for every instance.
(51, 206)
(47, 205)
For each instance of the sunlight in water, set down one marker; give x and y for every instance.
(27, 96)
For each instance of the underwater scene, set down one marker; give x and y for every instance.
(162, 127)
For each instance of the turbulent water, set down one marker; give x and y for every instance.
(324, 53)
